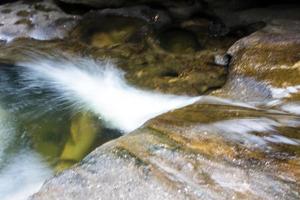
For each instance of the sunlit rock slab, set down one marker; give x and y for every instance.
(203, 151)
(41, 20)
(265, 64)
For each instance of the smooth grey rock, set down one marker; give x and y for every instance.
(41, 20)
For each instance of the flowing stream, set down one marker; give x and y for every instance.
(48, 93)
(40, 99)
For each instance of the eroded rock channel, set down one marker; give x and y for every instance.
(149, 100)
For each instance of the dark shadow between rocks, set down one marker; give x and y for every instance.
(178, 40)
(107, 31)
(74, 9)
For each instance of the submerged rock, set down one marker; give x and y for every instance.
(179, 41)
(203, 151)
(214, 149)
(133, 45)
(155, 54)
(83, 133)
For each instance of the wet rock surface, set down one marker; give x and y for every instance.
(191, 153)
(220, 150)
(265, 64)
(154, 54)
(34, 19)
(163, 72)
(157, 55)
(213, 149)
(269, 54)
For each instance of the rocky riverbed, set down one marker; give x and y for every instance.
(174, 99)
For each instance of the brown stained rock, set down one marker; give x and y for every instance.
(175, 157)
(147, 65)
(263, 61)
(174, 60)
(202, 151)
(270, 55)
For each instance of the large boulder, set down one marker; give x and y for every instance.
(265, 64)
(270, 54)
(203, 151)
(214, 149)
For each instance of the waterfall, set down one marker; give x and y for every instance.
(87, 85)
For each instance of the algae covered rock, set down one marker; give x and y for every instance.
(83, 134)
(213, 149)
(175, 60)
(154, 54)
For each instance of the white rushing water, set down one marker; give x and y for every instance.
(102, 89)
(21, 174)
(99, 87)
(83, 85)
(241, 130)
(6, 133)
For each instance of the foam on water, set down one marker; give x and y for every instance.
(83, 85)
(279, 93)
(22, 176)
(242, 130)
(6, 134)
(100, 88)
(293, 108)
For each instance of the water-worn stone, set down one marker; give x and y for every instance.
(35, 19)
(266, 63)
(202, 151)
(270, 54)
(132, 43)
(156, 55)
(207, 151)
(83, 134)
